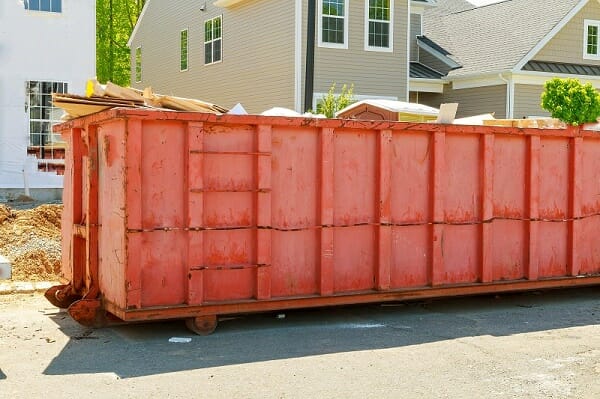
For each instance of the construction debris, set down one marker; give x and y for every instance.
(102, 97)
(31, 240)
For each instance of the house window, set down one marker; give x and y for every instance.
(379, 25)
(590, 40)
(333, 29)
(43, 5)
(42, 114)
(138, 64)
(213, 40)
(183, 49)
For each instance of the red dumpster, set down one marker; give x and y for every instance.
(190, 215)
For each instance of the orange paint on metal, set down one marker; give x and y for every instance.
(174, 214)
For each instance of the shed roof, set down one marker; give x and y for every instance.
(394, 106)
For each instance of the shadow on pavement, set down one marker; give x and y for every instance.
(143, 349)
(2, 375)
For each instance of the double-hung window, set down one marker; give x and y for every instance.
(43, 5)
(379, 31)
(333, 23)
(183, 50)
(591, 33)
(213, 40)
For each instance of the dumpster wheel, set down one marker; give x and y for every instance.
(89, 313)
(202, 325)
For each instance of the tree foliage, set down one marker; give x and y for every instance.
(115, 20)
(331, 103)
(570, 101)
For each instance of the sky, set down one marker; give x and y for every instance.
(483, 2)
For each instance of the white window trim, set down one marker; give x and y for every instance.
(389, 49)
(586, 24)
(187, 50)
(205, 42)
(320, 25)
(135, 63)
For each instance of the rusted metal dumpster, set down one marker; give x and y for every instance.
(189, 215)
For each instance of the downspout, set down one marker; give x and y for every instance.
(310, 55)
(509, 96)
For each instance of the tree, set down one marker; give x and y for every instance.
(115, 20)
(571, 101)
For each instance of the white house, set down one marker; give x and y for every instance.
(45, 46)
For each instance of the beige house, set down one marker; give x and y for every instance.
(262, 54)
(496, 58)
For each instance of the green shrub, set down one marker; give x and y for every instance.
(331, 103)
(570, 101)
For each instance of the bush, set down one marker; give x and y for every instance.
(570, 101)
(330, 103)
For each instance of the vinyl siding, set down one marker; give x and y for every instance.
(471, 102)
(257, 67)
(527, 101)
(372, 73)
(415, 30)
(567, 45)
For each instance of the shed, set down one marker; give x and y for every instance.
(391, 110)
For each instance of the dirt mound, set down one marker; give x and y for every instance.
(31, 241)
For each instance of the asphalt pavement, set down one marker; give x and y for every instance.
(528, 345)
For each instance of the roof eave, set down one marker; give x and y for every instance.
(137, 23)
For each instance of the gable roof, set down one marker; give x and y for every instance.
(499, 36)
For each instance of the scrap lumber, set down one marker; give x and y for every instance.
(102, 97)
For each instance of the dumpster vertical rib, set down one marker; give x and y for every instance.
(194, 209)
(385, 210)
(437, 201)
(327, 204)
(133, 203)
(576, 172)
(91, 245)
(263, 212)
(534, 202)
(487, 208)
(77, 249)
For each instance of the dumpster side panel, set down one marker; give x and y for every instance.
(554, 188)
(354, 199)
(586, 229)
(71, 208)
(510, 208)
(161, 254)
(111, 211)
(295, 206)
(411, 209)
(460, 236)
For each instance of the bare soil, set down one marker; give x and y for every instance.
(31, 240)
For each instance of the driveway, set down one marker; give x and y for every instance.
(532, 345)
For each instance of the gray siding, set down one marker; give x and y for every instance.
(373, 73)
(567, 45)
(258, 53)
(415, 30)
(476, 101)
(527, 101)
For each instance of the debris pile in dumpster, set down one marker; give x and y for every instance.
(101, 97)
(31, 239)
